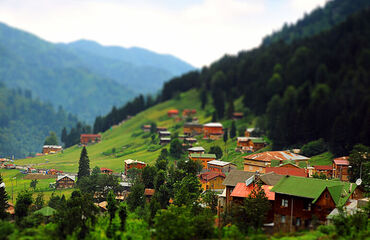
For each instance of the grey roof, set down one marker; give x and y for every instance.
(271, 178)
(193, 124)
(68, 176)
(219, 163)
(236, 176)
(196, 149)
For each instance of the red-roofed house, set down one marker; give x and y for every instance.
(90, 138)
(324, 169)
(106, 171)
(188, 112)
(173, 112)
(299, 172)
(129, 163)
(259, 161)
(213, 131)
(148, 193)
(340, 168)
(212, 180)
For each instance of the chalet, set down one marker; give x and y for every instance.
(65, 181)
(10, 166)
(298, 200)
(220, 166)
(149, 193)
(106, 171)
(327, 170)
(340, 168)
(146, 128)
(189, 112)
(173, 113)
(203, 158)
(213, 131)
(49, 149)
(231, 180)
(89, 138)
(288, 169)
(238, 115)
(199, 150)
(192, 129)
(250, 144)
(212, 180)
(129, 163)
(190, 140)
(259, 161)
(164, 140)
(163, 134)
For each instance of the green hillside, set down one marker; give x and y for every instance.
(130, 142)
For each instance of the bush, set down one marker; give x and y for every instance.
(314, 148)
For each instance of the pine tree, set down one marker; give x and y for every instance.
(233, 130)
(83, 165)
(226, 133)
(64, 135)
(3, 199)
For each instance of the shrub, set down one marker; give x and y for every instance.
(314, 148)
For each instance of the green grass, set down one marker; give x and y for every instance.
(325, 158)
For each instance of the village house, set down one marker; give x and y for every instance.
(192, 129)
(173, 113)
(238, 115)
(49, 149)
(202, 158)
(250, 144)
(190, 140)
(327, 170)
(213, 131)
(212, 181)
(106, 171)
(248, 132)
(163, 134)
(53, 172)
(149, 193)
(288, 169)
(199, 150)
(298, 200)
(189, 112)
(65, 181)
(129, 163)
(146, 128)
(164, 140)
(259, 161)
(230, 182)
(220, 166)
(89, 138)
(340, 168)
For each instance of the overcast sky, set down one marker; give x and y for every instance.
(197, 31)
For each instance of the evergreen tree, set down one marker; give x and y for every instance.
(112, 204)
(83, 165)
(122, 213)
(64, 135)
(22, 205)
(226, 135)
(51, 139)
(203, 98)
(3, 199)
(230, 108)
(176, 148)
(233, 130)
(217, 151)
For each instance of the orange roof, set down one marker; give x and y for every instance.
(173, 111)
(275, 155)
(299, 172)
(106, 169)
(341, 160)
(241, 190)
(207, 176)
(149, 192)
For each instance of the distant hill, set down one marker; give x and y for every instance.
(321, 19)
(25, 122)
(83, 77)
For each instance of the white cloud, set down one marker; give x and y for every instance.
(198, 31)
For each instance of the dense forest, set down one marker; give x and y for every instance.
(301, 91)
(25, 122)
(319, 20)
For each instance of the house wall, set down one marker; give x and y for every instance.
(65, 183)
(193, 130)
(208, 131)
(258, 146)
(134, 165)
(251, 165)
(204, 161)
(213, 184)
(341, 172)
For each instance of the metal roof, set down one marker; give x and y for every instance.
(219, 163)
(213, 124)
(196, 149)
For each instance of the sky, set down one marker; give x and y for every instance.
(197, 31)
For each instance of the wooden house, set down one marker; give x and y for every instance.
(173, 113)
(250, 144)
(129, 163)
(65, 181)
(199, 150)
(340, 168)
(238, 115)
(106, 171)
(203, 158)
(212, 180)
(327, 170)
(190, 140)
(231, 180)
(49, 149)
(259, 161)
(298, 200)
(192, 129)
(164, 134)
(288, 169)
(213, 131)
(89, 138)
(189, 112)
(220, 166)
(149, 193)
(164, 140)
(53, 172)
(146, 128)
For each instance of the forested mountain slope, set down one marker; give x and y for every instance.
(25, 122)
(139, 69)
(321, 19)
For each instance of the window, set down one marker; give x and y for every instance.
(283, 219)
(298, 222)
(284, 202)
(307, 206)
